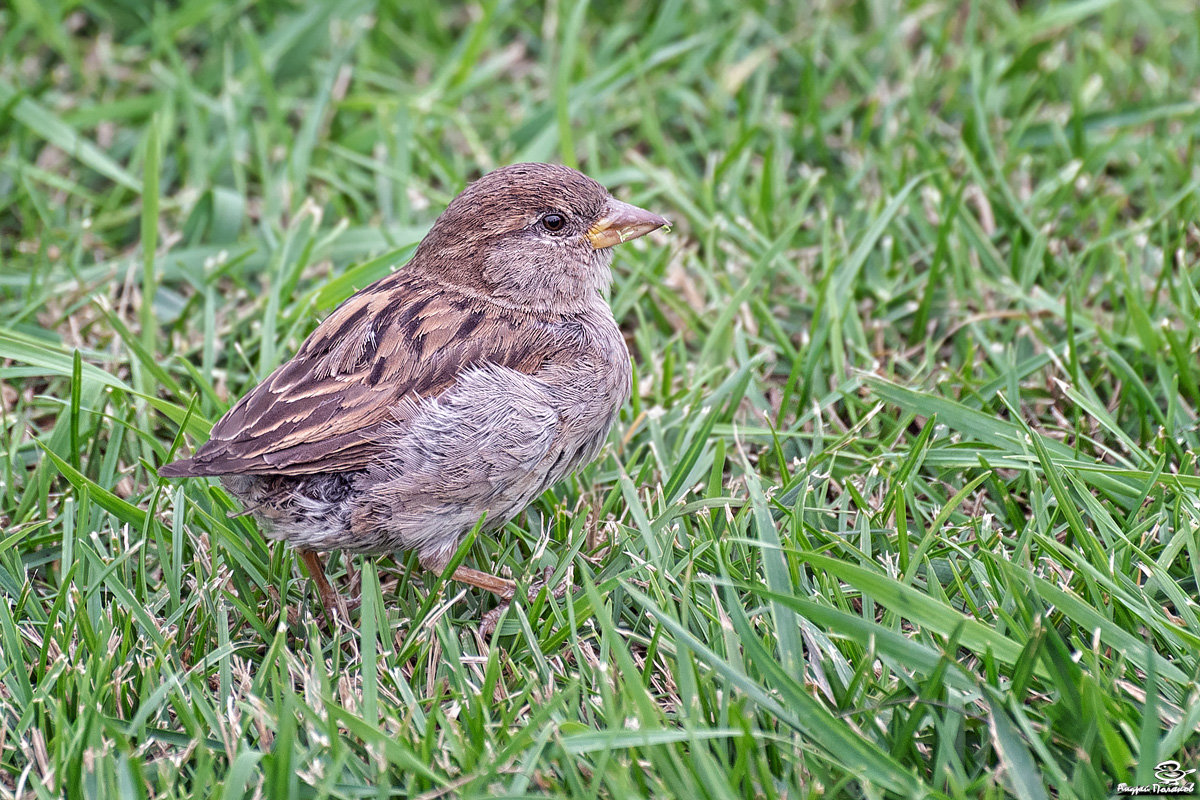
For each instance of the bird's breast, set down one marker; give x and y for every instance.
(591, 369)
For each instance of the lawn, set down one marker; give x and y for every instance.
(905, 502)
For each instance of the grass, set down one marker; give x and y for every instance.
(905, 502)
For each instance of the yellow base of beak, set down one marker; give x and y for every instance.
(622, 222)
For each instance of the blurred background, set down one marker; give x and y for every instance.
(904, 501)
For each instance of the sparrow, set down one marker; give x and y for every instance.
(459, 387)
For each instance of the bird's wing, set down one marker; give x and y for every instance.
(396, 341)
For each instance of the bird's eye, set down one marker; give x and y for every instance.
(554, 222)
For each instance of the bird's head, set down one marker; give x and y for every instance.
(533, 235)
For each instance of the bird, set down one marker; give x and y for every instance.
(457, 388)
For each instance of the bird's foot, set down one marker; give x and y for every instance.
(489, 621)
(336, 610)
(543, 582)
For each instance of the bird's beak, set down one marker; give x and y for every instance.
(622, 222)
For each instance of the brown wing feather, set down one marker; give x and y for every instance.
(402, 337)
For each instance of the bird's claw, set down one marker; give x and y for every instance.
(536, 587)
(489, 621)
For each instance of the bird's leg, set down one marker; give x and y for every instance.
(501, 587)
(330, 599)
